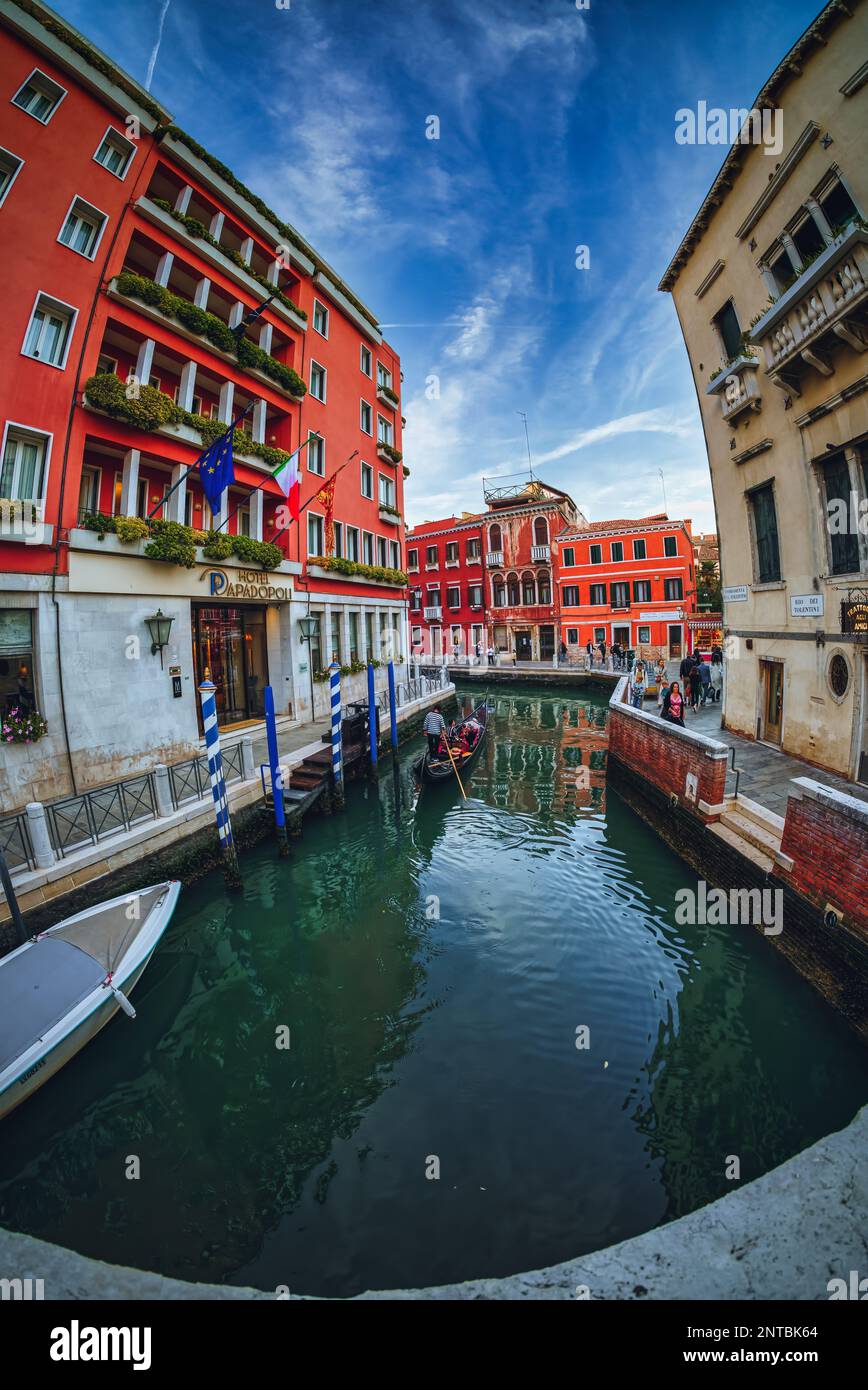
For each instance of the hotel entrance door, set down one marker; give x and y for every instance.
(230, 643)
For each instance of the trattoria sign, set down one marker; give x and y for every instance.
(854, 614)
(244, 584)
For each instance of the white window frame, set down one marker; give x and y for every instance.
(382, 549)
(670, 554)
(389, 428)
(104, 356)
(20, 165)
(324, 370)
(363, 348)
(37, 72)
(383, 371)
(18, 427)
(390, 483)
(394, 555)
(640, 540)
(369, 496)
(595, 545)
(369, 535)
(88, 208)
(362, 405)
(315, 472)
(318, 304)
(612, 559)
(94, 472)
(60, 304)
(310, 517)
(122, 139)
(353, 531)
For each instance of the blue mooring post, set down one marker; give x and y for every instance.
(372, 720)
(393, 713)
(231, 872)
(337, 741)
(276, 775)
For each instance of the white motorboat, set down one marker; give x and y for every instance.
(60, 988)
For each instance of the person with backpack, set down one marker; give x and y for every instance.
(638, 685)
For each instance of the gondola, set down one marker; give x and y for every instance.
(439, 769)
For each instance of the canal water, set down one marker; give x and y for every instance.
(432, 960)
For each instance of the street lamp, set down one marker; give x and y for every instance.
(159, 627)
(308, 628)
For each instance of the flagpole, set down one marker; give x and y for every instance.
(231, 430)
(315, 496)
(311, 437)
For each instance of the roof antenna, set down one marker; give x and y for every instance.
(663, 485)
(527, 437)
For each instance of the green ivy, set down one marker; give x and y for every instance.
(217, 546)
(394, 454)
(253, 552)
(340, 565)
(172, 542)
(389, 394)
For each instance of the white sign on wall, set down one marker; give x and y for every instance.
(736, 593)
(807, 605)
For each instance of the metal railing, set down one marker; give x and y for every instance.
(190, 780)
(15, 842)
(91, 816)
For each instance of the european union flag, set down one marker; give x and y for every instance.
(216, 470)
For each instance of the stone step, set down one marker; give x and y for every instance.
(761, 814)
(303, 780)
(762, 837)
(736, 841)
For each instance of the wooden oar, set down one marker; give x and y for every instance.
(454, 767)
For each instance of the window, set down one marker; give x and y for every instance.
(569, 555)
(545, 588)
(16, 659)
(82, 228)
(336, 636)
(339, 539)
(39, 96)
(385, 431)
(10, 166)
(453, 596)
(642, 591)
(394, 555)
(598, 594)
(599, 635)
(838, 207)
(670, 546)
(513, 594)
(242, 520)
(315, 535)
(316, 454)
(25, 455)
(384, 376)
(381, 551)
(643, 634)
(387, 491)
(320, 318)
(596, 554)
(367, 480)
(412, 559)
(639, 550)
(540, 531)
(88, 491)
(528, 590)
(452, 552)
(354, 636)
(416, 598)
(367, 548)
(673, 589)
(317, 381)
(617, 550)
(352, 542)
(765, 529)
(571, 596)
(366, 361)
(499, 590)
(474, 595)
(843, 540)
(808, 239)
(728, 330)
(115, 152)
(50, 330)
(431, 556)
(417, 636)
(143, 506)
(494, 539)
(473, 550)
(621, 595)
(106, 366)
(366, 418)
(572, 636)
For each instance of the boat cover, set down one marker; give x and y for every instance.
(40, 986)
(108, 931)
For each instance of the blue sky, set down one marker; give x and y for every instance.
(556, 130)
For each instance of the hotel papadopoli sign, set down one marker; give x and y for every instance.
(854, 613)
(249, 584)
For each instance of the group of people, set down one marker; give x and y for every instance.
(701, 683)
(461, 738)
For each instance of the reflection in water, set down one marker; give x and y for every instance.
(432, 960)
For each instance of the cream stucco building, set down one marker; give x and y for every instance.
(770, 284)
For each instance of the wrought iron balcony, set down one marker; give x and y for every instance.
(538, 553)
(824, 308)
(433, 613)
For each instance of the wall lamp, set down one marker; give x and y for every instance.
(159, 627)
(308, 628)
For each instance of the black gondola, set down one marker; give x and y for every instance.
(440, 769)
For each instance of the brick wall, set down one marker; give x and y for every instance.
(826, 837)
(667, 755)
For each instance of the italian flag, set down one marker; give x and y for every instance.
(289, 480)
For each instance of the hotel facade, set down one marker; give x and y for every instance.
(770, 284)
(135, 333)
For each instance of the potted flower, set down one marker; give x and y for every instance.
(23, 726)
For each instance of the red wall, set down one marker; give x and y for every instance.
(838, 874)
(664, 755)
(462, 575)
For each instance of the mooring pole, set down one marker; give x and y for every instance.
(393, 713)
(15, 910)
(208, 695)
(372, 720)
(276, 775)
(337, 738)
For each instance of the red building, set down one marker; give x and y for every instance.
(130, 338)
(489, 578)
(631, 582)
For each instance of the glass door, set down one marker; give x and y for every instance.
(220, 651)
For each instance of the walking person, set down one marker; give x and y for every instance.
(704, 681)
(695, 686)
(589, 648)
(434, 725)
(638, 685)
(562, 653)
(662, 690)
(686, 667)
(490, 655)
(716, 677)
(673, 705)
(603, 653)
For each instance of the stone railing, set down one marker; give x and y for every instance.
(824, 307)
(538, 553)
(737, 388)
(494, 558)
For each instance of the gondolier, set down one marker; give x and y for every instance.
(434, 726)
(451, 751)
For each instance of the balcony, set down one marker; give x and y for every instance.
(736, 385)
(540, 554)
(390, 516)
(824, 308)
(386, 396)
(433, 614)
(494, 559)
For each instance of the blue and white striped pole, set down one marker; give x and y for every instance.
(393, 713)
(337, 741)
(372, 720)
(276, 774)
(208, 694)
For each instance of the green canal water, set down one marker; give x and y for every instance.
(432, 960)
